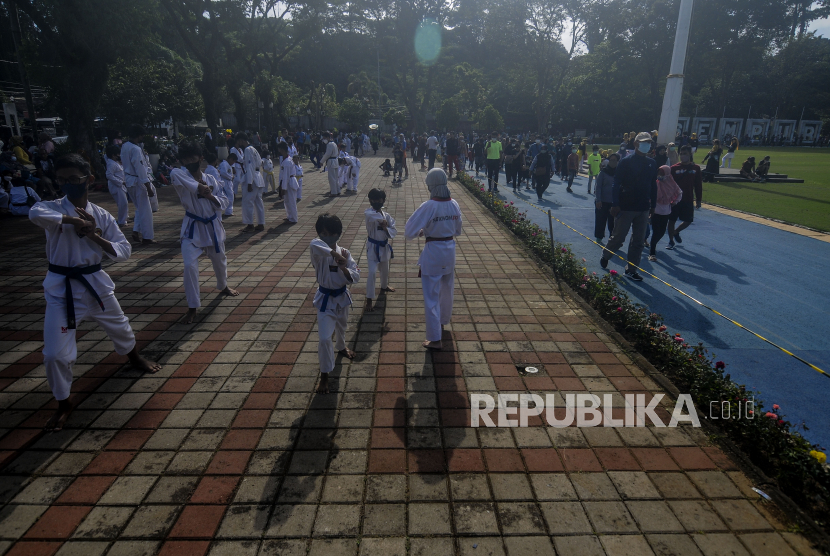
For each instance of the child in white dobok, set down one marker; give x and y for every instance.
(116, 183)
(203, 200)
(355, 174)
(298, 169)
(288, 183)
(78, 234)
(336, 270)
(439, 221)
(226, 177)
(380, 227)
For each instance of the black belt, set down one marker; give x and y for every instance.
(440, 239)
(20, 204)
(76, 273)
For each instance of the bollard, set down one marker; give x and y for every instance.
(550, 222)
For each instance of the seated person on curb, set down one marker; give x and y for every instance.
(763, 169)
(748, 169)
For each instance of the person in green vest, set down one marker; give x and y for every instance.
(594, 161)
(495, 154)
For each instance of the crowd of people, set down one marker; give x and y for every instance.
(79, 234)
(643, 188)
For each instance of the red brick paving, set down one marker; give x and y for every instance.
(250, 375)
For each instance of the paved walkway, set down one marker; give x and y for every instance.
(765, 277)
(227, 451)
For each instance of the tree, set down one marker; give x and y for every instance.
(447, 116)
(353, 113)
(488, 119)
(395, 116)
(152, 91)
(74, 43)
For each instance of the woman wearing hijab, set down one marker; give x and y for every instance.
(603, 197)
(439, 221)
(668, 193)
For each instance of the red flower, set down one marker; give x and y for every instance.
(771, 415)
(720, 365)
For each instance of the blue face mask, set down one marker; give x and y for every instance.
(644, 147)
(74, 191)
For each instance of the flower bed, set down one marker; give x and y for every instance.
(770, 441)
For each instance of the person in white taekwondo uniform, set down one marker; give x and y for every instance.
(138, 185)
(78, 234)
(298, 169)
(252, 185)
(380, 227)
(154, 199)
(202, 231)
(355, 174)
(226, 176)
(331, 165)
(336, 270)
(288, 182)
(116, 183)
(439, 221)
(237, 170)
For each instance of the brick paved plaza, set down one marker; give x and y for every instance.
(228, 450)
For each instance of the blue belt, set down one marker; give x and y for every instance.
(327, 292)
(76, 273)
(378, 244)
(203, 221)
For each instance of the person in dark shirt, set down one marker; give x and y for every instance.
(689, 177)
(634, 195)
(452, 154)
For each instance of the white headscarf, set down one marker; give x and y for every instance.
(437, 183)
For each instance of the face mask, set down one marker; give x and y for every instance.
(193, 167)
(377, 205)
(644, 147)
(671, 149)
(538, 141)
(74, 191)
(684, 158)
(573, 150)
(7, 178)
(331, 241)
(325, 141)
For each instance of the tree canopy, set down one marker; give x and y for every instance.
(599, 65)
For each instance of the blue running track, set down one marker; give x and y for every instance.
(774, 282)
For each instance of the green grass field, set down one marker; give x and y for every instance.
(807, 204)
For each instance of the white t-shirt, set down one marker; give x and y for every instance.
(432, 142)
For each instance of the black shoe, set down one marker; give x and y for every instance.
(677, 238)
(603, 263)
(569, 190)
(632, 275)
